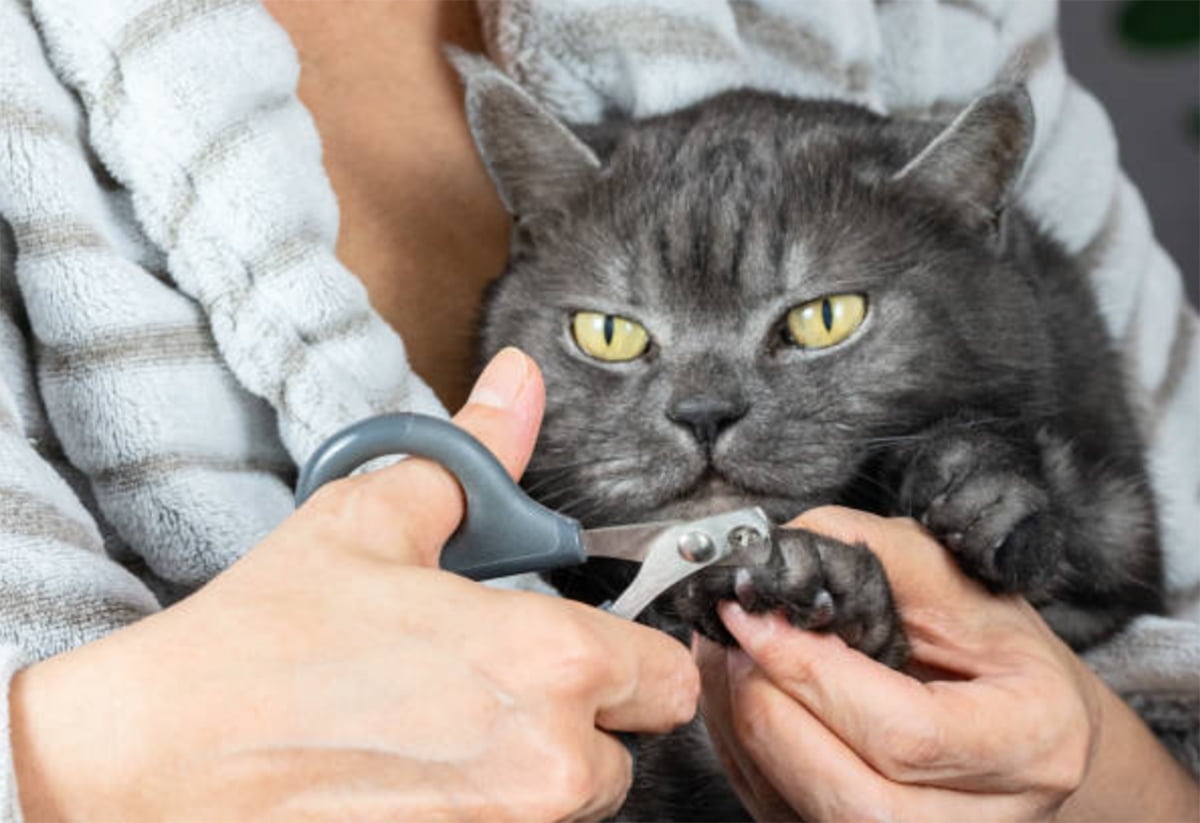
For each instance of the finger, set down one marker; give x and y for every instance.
(610, 775)
(717, 711)
(919, 568)
(812, 771)
(649, 682)
(821, 777)
(952, 622)
(917, 565)
(941, 733)
(503, 412)
(618, 675)
(760, 798)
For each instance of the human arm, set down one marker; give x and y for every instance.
(1004, 721)
(333, 672)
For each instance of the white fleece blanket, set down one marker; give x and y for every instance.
(176, 333)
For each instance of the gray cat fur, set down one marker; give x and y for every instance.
(981, 394)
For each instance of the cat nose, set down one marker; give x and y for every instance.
(707, 417)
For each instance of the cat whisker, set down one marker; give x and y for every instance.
(536, 480)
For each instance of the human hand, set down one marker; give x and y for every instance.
(335, 673)
(1002, 722)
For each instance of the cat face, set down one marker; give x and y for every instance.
(742, 302)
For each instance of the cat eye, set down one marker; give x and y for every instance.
(609, 337)
(821, 323)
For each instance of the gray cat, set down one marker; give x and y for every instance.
(786, 303)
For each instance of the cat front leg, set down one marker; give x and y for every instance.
(982, 494)
(816, 582)
(1032, 515)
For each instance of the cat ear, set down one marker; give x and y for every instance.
(978, 158)
(529, 153)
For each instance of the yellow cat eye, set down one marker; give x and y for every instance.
(609, 337)
(821, 323)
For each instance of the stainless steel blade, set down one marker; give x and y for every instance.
(685, 548)
(630, 542)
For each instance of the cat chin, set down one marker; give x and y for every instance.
(716, 496)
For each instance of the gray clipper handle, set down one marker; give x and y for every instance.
(504, 531)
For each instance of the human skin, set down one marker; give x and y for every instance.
(334, 673)
(1002, 721)
(422, 226)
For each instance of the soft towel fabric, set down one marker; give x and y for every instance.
(176, 333)
(161, 369)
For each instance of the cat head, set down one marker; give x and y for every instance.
(743, 300)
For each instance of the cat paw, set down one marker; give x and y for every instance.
(815, 582)
(984, 499)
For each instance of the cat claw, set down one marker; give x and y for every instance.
(743, 588)
(822, 610)
(817, 615)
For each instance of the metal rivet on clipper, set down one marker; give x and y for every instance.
(696, 547)
(744, 537)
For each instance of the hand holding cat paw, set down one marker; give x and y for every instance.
(1004, 729)
(334, 674)
(815, 582)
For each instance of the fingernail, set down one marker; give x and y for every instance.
(750, 629)
(502, 380)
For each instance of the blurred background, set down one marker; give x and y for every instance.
(1141, 58)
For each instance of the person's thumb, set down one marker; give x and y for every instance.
(408, 510)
